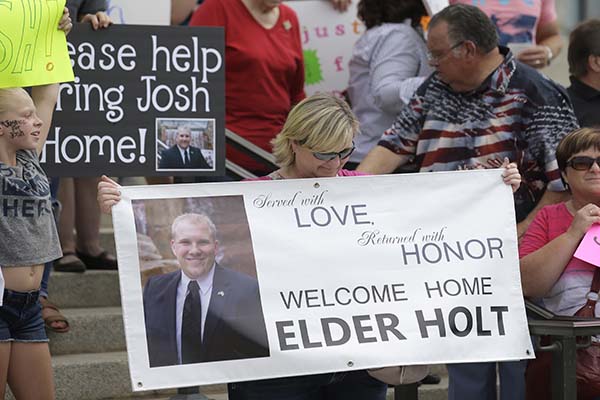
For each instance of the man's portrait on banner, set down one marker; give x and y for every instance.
(201, 297)
(185, 144)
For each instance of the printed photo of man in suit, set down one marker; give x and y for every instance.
(204, 311)
(183, 155)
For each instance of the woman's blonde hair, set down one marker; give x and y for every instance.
(320, 123)
(6, 98)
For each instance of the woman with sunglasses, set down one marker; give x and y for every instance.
(549, 272)
(315, 142)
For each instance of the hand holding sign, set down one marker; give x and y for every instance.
(66, 23)
(584, 218)
(587, 222)
(589, 248)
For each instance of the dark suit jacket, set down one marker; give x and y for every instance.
(234, 327)
(171, 159)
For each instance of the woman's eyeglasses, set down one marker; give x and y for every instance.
(583, 163)
(330, 156)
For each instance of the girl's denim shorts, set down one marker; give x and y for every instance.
(21, 317)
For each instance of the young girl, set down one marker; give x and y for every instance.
(29, 238)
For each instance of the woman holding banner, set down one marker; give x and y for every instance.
(29, 238)
(549, 271)
(315, 142)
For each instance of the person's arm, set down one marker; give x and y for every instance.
(398, 144)
(393, 61)
(297, 85)
(181, 10)
(542, 268)
(44, 97)
(548, 34)
(381, 160)
(548, 38)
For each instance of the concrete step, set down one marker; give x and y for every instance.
(426, 392)
(103, 376)
(88, 289)
(93, 330)
(432, 392)
(439, 369)
(90, 376)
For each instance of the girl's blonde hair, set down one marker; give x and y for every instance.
(7, 97)
(319, 123)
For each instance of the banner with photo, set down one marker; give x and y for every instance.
(32, 49)
(146, 100)
(318, 275)
(327, 38)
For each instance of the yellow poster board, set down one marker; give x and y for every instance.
(32, 49)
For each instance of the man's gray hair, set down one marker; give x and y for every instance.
(195, 219)
(182, 128)
(468, 23)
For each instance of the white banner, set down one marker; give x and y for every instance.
(353, 273)
(327, 37)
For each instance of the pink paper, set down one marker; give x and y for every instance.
(589, 248)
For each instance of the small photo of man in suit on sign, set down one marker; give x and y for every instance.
(203, 311)
(180, 145)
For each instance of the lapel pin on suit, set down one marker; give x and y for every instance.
(221, 293)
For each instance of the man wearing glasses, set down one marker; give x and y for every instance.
(478, 107)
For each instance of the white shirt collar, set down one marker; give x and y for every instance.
(183, 151)
(205, 282)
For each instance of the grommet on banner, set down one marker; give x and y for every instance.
(140, 384)
(316, 185)
(527, 352)
(350, 364)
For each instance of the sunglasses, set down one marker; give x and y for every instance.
(330, 156)
(583, 163)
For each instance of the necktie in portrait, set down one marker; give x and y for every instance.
(191, 327)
